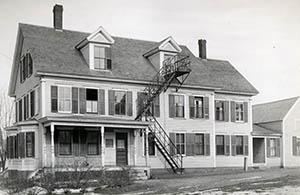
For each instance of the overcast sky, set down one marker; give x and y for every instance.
(260, 38)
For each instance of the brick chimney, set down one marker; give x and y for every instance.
(202, 48)
(58, 17)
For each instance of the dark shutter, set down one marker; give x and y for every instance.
(82, 100)
(17, 146)
(206, 107)
(29, 64)
(172, 147)
(76, 142)
(206, 144)
(171, 106)
(56, 143)
(268, 147)
(38, 100)
(33, 144)
(16, 111)
(226, 111)
(21, 71)
(74, 100)
(277, 151)
(245, 112)
(101, 101)
(53, 98)
(129, 103)
(190, 143)
(108, 57)
(140, 102)
(20, 110)
(227, 145)
(111, 102)
(233, 145)
(192, 106)
(246, 147)
(157, 106)
(232, 106)
(294, 145)
(22, 145)
(32, 103)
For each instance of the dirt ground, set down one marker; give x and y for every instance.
(268, 181)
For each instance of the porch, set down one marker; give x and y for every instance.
(108, 144)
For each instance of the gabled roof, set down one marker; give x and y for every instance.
(54, 52)
(168, 44)
(262, 131)
(272, 111)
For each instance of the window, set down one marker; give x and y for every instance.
(179, 105)
(239, 111)
(20, 110)
(198, 103)
(91, 100)
(120, 102)
(199, 144)
(65, 144)
(26, 107)
(220, 110)
(32, 103)
(151, 144)
(93, 142)
(109, 143)
(30, 144)
(272, 147)
(180, 142)
(64, 99)
(220, 145)
(296, 146)
(239, 145)
(25, 67)
(102, 58)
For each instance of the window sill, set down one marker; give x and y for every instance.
(178, 118)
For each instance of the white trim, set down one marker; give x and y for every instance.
(70, 89)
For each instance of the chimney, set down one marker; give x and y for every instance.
(57, 17)
(202, 48)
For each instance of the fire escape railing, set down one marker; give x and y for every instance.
(174, 68)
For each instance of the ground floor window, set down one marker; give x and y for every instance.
(29, 144)
(239, 145)
(180, 142)
(21, 145)
(151, 144)
(220, 149)
(93, 142)
(199, 144)
(65, 143)
(296, 146)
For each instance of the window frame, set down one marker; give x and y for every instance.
(59, 99)
(202, 152)
(115, 102)
(97, 143)
(176, 108)
(223, 139)
(180, 144)
(32, 145)
(297, 146)
(219, 112)
(239, 112)
(105, 58)
(239, 147)
(92, 102)
(70, 143)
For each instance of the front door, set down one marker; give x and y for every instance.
(259, 150)
(121, 148)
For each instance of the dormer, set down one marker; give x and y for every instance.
(96, 50)
(165, 49)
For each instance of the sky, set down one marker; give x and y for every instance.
(260, 38)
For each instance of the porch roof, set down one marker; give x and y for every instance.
(262, 131)
(94, 121)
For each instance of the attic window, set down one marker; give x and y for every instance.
(25, 67)
(102, 58)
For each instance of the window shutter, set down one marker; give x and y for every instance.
(232, 106)
(101, 101)
(74, 100)
(29, 64)
(233, 145)
(277, 147)
(246, 147)
(111, 102)
(22, 144)
(157, 106)
(32, 103)
(268, 147)
(139, 103)
(82, 100)
(37, 101)
(226, 111)
(83, 146)
(172, 147)
(76, 145)
(56, 144)
(294, 145)
(206, 144)
(206, 107)
(53, 98)
(108, 57)
(171, 106)
(190, 144)
(245, 112)
(21, 71)
(16, 111)
(129, 103)
(192, 106)
(227, 145)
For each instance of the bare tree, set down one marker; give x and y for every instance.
(6, 119)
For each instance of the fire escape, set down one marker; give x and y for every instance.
(175, 71)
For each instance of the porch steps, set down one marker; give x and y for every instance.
(138, 174)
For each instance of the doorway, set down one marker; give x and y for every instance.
(121, 149)
(259, 150)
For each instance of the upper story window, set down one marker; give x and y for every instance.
(196, 107)
(64, 99)
(239, 111)
(120, 102)
(220, 110)
(25, 67)
(102, 58)
(91, 100)
(176, 106)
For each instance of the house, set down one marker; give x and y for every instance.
(84, 97)
(276, 133)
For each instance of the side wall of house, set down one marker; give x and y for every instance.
(291, 127)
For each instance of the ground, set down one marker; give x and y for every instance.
(268, 181)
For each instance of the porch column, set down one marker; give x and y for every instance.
(102, 146)
(146, 146)
(44, 134)
(135, 133)
(52, 146)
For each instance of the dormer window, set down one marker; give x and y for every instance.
(102, 58)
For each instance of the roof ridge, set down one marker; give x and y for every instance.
(276, 101)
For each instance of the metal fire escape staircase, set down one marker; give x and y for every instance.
(175, 71)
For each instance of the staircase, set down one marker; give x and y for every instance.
(175, 70)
